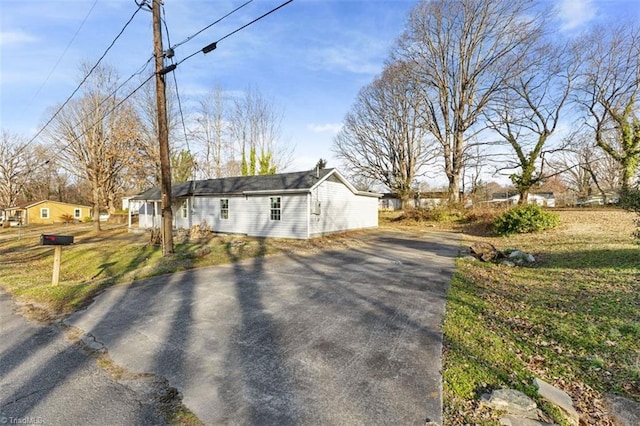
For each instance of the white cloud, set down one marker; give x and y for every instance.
(8, 38)
(575, 13)
(328, 127)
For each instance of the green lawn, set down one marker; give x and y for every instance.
(572, 318)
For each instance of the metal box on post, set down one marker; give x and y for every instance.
(56, 240)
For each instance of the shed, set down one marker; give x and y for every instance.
(287, 205)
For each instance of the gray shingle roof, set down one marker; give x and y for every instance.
(241, 184)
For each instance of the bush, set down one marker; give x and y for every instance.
(67, 218)
(524, 219)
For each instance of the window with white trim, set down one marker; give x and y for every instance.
(276, 209)
(44, 213)
(224, 208)
(77, 213)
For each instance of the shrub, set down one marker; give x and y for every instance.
(523, 219)
(67, 218)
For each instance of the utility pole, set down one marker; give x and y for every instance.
(163, 135)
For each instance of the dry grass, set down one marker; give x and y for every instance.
(572, 318)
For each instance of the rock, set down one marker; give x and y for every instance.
(519, 421)
(507, 263)
(558, 398)
(513, 402)
(470, 258)
(625, 412)
(522, 256)
(485, 252)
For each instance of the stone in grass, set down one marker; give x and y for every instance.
(512, 402)
(558, 398)
(485, 252)
(521, 256)
(519, 421)
(624, 411)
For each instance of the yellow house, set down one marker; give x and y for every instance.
(47, 211)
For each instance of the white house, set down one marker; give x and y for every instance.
(545, 199)
(287, 205)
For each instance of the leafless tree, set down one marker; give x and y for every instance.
(147, 167)
(384, 136)
(609, 93)
(211, 130)
(464, 50)
(16, 163)
(255, 125)
(583, 166)
(527, 112)
(93, 136)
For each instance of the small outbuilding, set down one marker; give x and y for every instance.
(287, 205)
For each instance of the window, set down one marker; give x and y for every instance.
(224, 208)
(44, 213)
(77, 213)
(275, 208)
(185, 210)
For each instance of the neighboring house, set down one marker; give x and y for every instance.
(609, 197)
(45, 212)
(424, 200)
(287, 205)
(545, 199)
(128, 204)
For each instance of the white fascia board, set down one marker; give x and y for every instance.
(277, 191)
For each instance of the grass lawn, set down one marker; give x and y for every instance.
(99, 260)
(572, 318)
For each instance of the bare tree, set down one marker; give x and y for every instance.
(528, 111)
(464, 50)
(384, 134)
(609, 93)
(16, 162)
(584, 167)
(211, 130)
(94, 135)
(147, 165)
(255, 126)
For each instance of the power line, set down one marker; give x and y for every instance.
(65, 50)
(105, 115)
(210, 25)
(212, 46)
(86, 77)
(175, 81)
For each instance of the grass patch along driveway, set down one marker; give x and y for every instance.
(99, 260)
(572, 318)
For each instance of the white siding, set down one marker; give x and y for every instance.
(251, 215)
(341, 209)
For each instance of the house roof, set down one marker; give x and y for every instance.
(282, 182)
(29, 204)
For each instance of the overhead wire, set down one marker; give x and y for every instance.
(210, 25)
(212, 46)
(175, 81)
(103, 116)
(64, 52)
(55, 114)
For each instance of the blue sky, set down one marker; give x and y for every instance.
(311, 57)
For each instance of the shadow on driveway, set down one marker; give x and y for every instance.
(341, 337)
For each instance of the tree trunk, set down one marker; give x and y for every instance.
(524, 196)
(96, 207)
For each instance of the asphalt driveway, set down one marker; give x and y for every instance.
(343, 337)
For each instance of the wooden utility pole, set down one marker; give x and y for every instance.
(163, 135)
